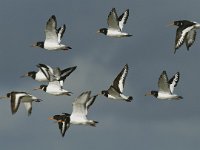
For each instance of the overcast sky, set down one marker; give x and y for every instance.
(144, 124)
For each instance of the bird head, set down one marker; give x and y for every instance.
(103, 31)
(38, 44)
(29, 74)
(153, 93)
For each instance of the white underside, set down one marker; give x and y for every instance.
(116, 33)
(53, 46)
(166, 96)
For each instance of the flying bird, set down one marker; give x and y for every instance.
(54, 88)
(79, 113)
(115, 24)
(21, 97)
(115, 91)
(186, 32)
(53, 36)
(166, 87)
(42, 74)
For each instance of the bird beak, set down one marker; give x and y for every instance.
(34, 45)
(25, 75)
(2, 97)
(37, 88)
(170, 24)
(148, 94)
(39, 100)
(51, 118)
(98, 31)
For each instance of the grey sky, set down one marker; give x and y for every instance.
(145, 123)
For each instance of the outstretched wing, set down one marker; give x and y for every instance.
(180, 36)
(190, 38)
(79, 105)
(174, 81)
(123, 19)
(163, 85)
(60, 32)
(50, 30)
(113, 20)
(119, 81)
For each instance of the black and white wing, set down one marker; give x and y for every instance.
(64, 124)
(28, 106)
(60, 32)
(113, 20)
(174, 81)
(66, 72)
(50, 30)
(119, 81)
(79, 105)
(180, 36)
(45, 69)
(190, 38)
(90, 101)
(123, 19)
(163, 85)
(52, 74)
(15, 101)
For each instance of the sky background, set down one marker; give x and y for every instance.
(145, 123)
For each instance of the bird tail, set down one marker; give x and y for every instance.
(93, 123)
(130, 98)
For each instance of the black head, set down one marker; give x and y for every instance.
(31, 74)
(105, 93)
(182, 23)
(154, 93)
(39, 44)
(103, 31)
(41, 87)
(8, 95)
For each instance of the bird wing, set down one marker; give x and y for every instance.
(28, 106)
(60, 32)
(180, 36)
(66, 72)
(90, 101)
(174, 81)
(15, 101)
(52, 74)
(50, 30)
(119, 81)
(190, 38)
(46, 70)
(123, 19)
(64, 125)
(57, 73)
(79, 105)
(113, 20)
(163, 85)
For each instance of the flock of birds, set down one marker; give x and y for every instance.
(55, 77)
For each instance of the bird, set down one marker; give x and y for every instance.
(17, 97)
(115, 24)
(53, 36)
(79, 113)
(54, 88)
(166, 87)
(186, 32)
(115, 91)
(42, 76)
